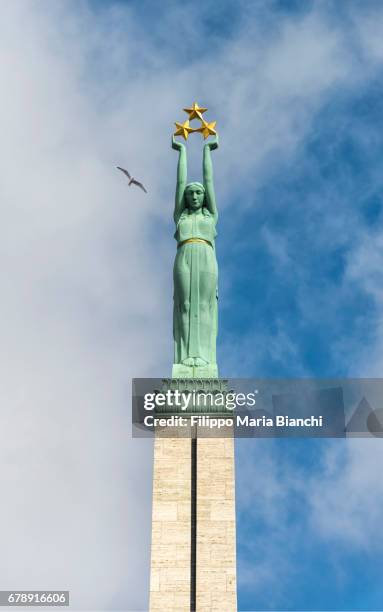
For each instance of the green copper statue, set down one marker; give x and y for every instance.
(195, 271)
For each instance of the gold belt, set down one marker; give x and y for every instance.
(180, 244)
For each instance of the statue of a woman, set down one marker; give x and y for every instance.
(195, 271)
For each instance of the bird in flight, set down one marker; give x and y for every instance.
(131, 179)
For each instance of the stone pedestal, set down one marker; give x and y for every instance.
(193, 561)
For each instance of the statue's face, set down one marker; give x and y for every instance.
(194, 195)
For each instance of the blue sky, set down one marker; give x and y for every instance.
(329, 181)
(296, 89)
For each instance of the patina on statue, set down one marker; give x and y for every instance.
(195, 270)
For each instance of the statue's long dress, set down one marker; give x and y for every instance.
(195, 277)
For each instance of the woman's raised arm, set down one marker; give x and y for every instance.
(208, 182)
(181, 178)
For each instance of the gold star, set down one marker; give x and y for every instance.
(183, 129)
(195, 112)
(207, 129)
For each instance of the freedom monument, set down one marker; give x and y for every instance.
(193, 553)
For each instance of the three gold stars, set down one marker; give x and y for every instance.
(195, 112)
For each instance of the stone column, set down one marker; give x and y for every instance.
(216, 589)
(171, 526)
(193, 562)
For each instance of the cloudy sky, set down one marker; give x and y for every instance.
(86, 295)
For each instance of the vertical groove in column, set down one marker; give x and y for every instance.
(193, 539)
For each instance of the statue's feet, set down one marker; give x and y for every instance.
(198, 361)
(189, 361)
(194, 361)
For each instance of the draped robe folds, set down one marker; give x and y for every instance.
(195, 276)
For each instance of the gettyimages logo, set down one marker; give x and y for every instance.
(327, 408)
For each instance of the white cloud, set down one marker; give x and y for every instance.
(81, 305)
(347, 496)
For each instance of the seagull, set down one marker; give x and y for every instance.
(131, 179)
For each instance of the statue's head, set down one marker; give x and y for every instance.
(194, 195)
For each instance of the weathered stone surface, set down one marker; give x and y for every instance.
(216, 546)
(170, 582)
(171, 526)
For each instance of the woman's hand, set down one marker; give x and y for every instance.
(178, 146)
(212, 144)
